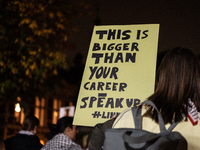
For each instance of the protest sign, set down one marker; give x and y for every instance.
(66, 111)
(119, 71)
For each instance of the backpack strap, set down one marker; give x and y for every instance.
(136, 111)
(174, 124)
(137, 118)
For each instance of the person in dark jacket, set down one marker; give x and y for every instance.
(26, 139)
(97, 136)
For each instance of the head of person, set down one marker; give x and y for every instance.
(64, 125)
(30, 123)
(177, 80)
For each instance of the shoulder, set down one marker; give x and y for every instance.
(58, 141)
(17, 137)
(59, 137)
(190, 132)
(125, 119)
(25, 141)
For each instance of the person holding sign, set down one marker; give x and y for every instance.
(177, 91)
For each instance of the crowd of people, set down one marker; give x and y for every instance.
(61, 137)
(177, 92)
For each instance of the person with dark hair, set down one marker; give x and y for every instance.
(177, 92)
(26, 139)
(62, 136)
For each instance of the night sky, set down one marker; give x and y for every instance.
(179, 21)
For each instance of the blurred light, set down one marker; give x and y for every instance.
(17, 107)
(42, 142)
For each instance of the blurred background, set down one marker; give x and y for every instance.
(44, 46)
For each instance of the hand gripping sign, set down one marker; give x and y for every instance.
(119, 71)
